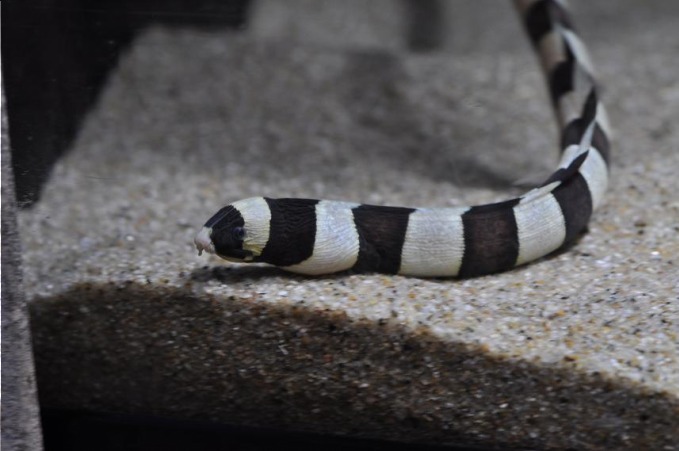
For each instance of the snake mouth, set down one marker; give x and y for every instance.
(203, 241)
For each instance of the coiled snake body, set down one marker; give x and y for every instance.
(314, 237)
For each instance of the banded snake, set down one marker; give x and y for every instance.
(314, 237)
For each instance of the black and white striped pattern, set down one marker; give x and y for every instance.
(318, 236)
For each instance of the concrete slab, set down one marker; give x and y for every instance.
(20, 412)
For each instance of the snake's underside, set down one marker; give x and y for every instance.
(314, 237)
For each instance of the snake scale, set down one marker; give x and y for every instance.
(313, 237)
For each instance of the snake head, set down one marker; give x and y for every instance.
(224, 235)
(238, 232)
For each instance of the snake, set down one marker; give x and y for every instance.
(317, 237)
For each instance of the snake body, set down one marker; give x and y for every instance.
(314, 237)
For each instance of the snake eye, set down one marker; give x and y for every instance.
(238, 233)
